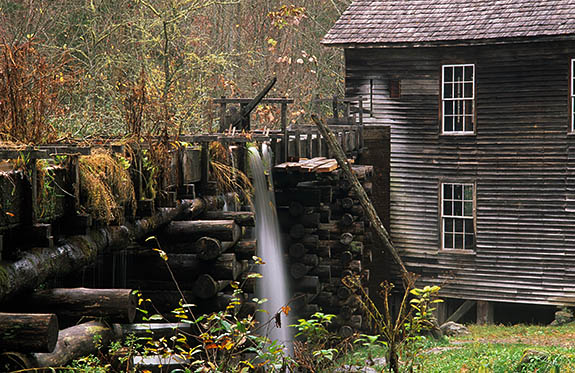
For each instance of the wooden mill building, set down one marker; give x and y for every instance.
(479, 97)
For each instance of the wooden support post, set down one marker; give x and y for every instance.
(334, 107)
(461, 311)
(371, 214)
(245, 121)
(347, 113)
(441, 313)
(484, 312)
(297, 154)
(284, 126)
(222, 112)
(33, 167)
(205, 164)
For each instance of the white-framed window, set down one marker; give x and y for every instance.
(457, 216)
(458, 99)
(572, 95)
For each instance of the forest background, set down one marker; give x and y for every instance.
(103, 67)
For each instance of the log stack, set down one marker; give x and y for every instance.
(203, 256)
(325, 235)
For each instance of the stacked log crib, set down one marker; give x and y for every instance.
(325, 236)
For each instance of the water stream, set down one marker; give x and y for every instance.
(274, 285)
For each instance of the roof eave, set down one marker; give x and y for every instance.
(450, 43)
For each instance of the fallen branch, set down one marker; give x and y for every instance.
(376, 223)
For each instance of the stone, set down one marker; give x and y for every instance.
(453, 329)
(530, 355)
(564, 316)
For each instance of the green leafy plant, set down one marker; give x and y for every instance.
(319, 347)
(401, 331)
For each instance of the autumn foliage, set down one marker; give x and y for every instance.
(29, 93)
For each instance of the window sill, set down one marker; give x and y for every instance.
(457, 252)
(459, 134)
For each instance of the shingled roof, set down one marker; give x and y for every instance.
(435, 22)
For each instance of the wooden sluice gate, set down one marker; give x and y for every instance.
(89, 264)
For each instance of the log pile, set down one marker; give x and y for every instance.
(206, 251)
(326, 236)
(204, 256)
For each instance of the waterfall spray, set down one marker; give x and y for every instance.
(273, 286)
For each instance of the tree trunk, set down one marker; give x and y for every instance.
(115, 304)
(206, 287)
(243, 218)
(208, 248)
(298, 270)
(245, 249)
(27, 332)
(181, 231)
(73, 343)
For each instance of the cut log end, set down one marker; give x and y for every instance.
(28, 332)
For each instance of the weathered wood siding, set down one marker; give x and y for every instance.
(522, 159)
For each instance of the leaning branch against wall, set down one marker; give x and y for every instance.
(377, 225)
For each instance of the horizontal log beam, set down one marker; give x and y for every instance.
(37, 266)
(113, 304)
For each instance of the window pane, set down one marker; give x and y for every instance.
(448, 225)
(458, 241)
(447, 191)
(469, 226)
(448, 124)
(447, 208)
(469, 123)
(458, 123)
(458, 73)
(448, 107)
(447, 91)
(458, 90)
(458, 107)
(469, 241)
(448, 241)
(468, 90)
(448, 74)
(468, 209)
(468, 192)
(469, 73)
(459, 225)
(458, 191)
(457, 208)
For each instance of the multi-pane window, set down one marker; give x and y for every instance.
(458, 98)
(573, 95)
(457, 216)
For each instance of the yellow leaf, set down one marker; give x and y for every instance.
(163, 254)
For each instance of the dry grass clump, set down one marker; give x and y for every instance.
(228, 178)
(105, 185)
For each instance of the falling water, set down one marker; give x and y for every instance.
(273, 286)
